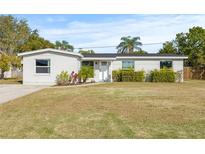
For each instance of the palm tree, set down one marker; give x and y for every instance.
(129, 44)
(63, 45)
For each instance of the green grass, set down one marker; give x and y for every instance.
(11, 81)
(112, 110)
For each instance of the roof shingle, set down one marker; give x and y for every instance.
(113, 55)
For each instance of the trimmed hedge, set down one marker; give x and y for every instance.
(139, 76)
(163, 75)
(116, 76)
(128, 76)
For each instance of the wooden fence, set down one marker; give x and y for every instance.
(190, 73)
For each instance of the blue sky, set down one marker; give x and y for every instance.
(106, 30)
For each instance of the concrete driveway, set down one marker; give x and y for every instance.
(9, 91)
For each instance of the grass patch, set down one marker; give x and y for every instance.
(112, 110)
(11, 81)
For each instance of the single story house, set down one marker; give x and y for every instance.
(41, 67)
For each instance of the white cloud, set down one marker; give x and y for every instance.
(55, 19)
(151, 28)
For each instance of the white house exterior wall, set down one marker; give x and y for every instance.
(148, 65)
(178, 65)
(116, 65)
(58, 62)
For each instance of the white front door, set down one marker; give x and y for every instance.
(103, 71)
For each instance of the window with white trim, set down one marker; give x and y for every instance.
(128, 64)
(42, 66)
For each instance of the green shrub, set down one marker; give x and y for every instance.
(128, 76)
(117, 75)
(139, 76)
(63, 78)
(148, 77)
(163, 75)
(86, 72)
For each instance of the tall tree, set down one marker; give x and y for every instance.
(129, 44)
(63, 45)
(4, 63)
(35, 42)
(168, 48)
(13, 32)
(86, 51)
(191, 44)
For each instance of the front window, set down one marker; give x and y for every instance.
(127, 64)
(42, 66)
(87, 63)
(165, 64)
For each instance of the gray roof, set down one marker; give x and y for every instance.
(113, 55)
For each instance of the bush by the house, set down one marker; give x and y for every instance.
(128, 76)
(139, 76)
(163, 75)
(115, 76)
(86, 72)
(63, 78)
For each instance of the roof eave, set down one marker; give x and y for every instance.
(98, 58)
(152, 57)
(47, 50)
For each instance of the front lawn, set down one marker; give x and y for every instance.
(112, 110)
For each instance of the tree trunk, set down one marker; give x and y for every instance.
(2, 74)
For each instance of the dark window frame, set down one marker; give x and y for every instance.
(39, 67)
(166, 64)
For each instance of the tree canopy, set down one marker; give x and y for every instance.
(16, 36)
(35, 42)
(63, 45)
(168, 48)
(13, 32)
(129, 45)
(191, 44)
(86, 51)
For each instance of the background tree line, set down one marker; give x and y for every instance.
(191, 44)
